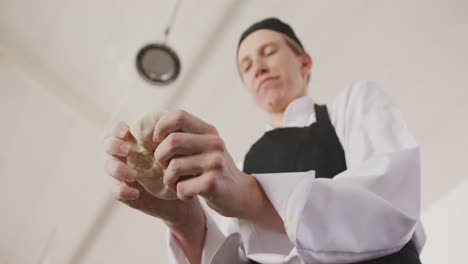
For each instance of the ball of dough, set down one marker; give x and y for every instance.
(142, 160)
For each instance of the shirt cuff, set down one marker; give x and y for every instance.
(264, 245)
(214, 239)
(283, 191)
(175, 254)
(217, 248)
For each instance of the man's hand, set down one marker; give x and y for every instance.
(185, 219)
(131, 192)
(197, 162)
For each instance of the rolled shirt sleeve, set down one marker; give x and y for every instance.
(222, 242)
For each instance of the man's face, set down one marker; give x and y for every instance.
(272, 72)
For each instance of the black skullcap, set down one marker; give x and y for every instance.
(274, 24)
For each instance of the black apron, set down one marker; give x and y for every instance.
(316, 147)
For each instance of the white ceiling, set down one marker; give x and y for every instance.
(83, 52)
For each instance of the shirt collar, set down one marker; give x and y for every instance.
(298, 113)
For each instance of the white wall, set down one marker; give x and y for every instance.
(446, 224)
(53, 185)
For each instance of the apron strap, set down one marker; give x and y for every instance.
(321, 113)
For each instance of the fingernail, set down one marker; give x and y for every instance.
(124, 149)
(132, 194)
(122, 130)
(131, 175)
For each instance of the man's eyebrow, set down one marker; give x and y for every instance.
(261, 47)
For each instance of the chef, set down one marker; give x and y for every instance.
(335, 183)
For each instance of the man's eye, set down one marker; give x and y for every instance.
(270, 51)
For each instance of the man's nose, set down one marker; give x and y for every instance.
(260, 69)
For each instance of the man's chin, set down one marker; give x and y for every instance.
(274, 106)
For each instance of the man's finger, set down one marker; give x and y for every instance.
(180, 121)
(119, 170)
(122, 131)
(181, 168)
(204, 184)
(116, 147)
(182, 144)
(124, 192)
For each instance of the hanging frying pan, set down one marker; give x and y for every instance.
(157, 63)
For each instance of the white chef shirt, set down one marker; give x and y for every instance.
(370, 210)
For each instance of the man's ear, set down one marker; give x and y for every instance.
(306, 65)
